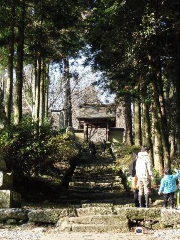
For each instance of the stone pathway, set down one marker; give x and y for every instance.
(96, 180)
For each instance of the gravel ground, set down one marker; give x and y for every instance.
(157, 235)
(41, 233)
(21, 233)
(173, 234)
(97, 236)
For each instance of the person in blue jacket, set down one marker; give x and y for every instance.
(168, 186)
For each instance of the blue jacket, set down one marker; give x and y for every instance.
(168, 183)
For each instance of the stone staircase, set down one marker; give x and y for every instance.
(114, 218)
(95, 218)
(98, 200)
(97, 180)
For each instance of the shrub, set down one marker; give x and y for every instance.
(29, 153)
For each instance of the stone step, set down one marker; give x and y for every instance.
(121, 227)
(86, 211)
(96, 181)
(94, 190)
(98, 219)
(97, 162)
(95, 166)
(97, 177)
(96, 184)
(103, 220)
(109, 203)
(96, 174)
(92, 174)
(78, 199)
(101, 198)
(94, 171)
(88, 160)
(100, 204)
(110, 209)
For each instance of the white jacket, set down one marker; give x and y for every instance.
(143, 166)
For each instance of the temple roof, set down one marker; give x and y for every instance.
(96, 112)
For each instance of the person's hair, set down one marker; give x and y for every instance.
(167, 171)
(147, 148)
(144, 149)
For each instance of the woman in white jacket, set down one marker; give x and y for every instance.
(144, 175)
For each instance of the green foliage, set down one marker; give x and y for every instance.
(157, 177)
(26, 153)
(124, 149)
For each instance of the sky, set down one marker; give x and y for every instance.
(82, 77)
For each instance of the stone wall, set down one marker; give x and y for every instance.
(98, 217)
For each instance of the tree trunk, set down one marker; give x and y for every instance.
(37, 86)
(144, 135)
(47, 92)
(128, 121)
(68, 104)
(147, 128)
(158, 159)
(137, 124)
(172, 140)
(34, 80)
(9, 87)
(158, 107)
(165, 143)
(157, 146)
(19, 68)
(2, 85)
(177, 86)
(42, 96)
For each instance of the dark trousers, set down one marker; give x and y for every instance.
(136, 198)
(170, 197)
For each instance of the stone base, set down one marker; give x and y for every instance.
(6, 180)
(9, 199)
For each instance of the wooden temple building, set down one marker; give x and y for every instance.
(98, 117)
